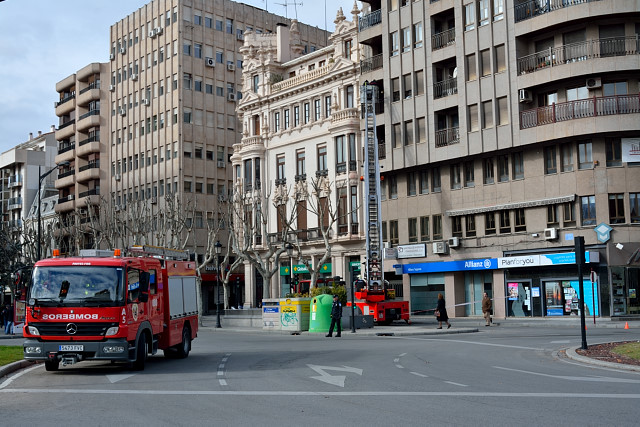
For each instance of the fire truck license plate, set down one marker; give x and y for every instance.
(71, 348)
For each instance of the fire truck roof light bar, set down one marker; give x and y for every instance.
(165, 253)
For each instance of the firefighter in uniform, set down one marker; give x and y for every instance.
(336, 317)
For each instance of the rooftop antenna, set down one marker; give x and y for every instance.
(286, 5)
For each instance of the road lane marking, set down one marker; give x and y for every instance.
(419, 374)
(223, 382)
(560, 342)
(220, 373)
(458, 384)
(18, 375)
(399, 366)
(337, 380)
(472, 342)
(383, 394)
(403, 354)
(570, 378)
(118, 377)
(396, 360)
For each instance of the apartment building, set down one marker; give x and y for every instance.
(20, 169)
(159, 118)
(507, 128)
(297, 166)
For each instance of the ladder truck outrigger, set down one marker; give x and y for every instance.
(372, 294)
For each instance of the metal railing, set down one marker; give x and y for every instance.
(68, 98)
(89, 114)
(532, 8)
(69, 123)
(92, 165)
(88, 140)
(370, 20)
(94, 85)
(581, 51)
(65, 148)
(447, 136)
(14, 181)
(92, 192)
(369, 64)
(443, 39)
(67, 173)
(445, 88)
(580, 109)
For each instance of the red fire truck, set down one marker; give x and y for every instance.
(380, 302)
(104, 306)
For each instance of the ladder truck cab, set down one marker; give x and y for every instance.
(372, 295)
(104, 306)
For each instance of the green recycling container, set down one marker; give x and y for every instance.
(320, 319)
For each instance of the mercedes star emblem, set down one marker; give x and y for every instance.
(72, 328)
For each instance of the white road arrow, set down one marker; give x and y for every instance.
(333, 379)
(118, 377)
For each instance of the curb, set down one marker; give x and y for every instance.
(371, 332)
(571, 354)
(12, 367)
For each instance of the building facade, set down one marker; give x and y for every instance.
(506, 130)
(298, 163)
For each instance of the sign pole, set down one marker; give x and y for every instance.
(594, 277)
(579, 248)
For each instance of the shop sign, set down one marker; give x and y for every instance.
(443, 266)
(354, 265)
(603, 232)
(302, 269)
(630, 149)
(412, 251)
(538, 260)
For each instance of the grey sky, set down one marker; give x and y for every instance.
(44, 41)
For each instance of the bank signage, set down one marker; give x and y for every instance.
(412, 251)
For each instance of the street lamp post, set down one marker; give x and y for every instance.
(218, 248)
(40, 179)
(289, 248)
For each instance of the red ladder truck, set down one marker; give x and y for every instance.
(104, 306)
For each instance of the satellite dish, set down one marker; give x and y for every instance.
(455, 72)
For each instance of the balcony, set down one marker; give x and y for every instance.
(448, 136)
(443, 39)
(346, 119)
(89, 197)
(89, 93)
(88, 120)
(302, 177)
(582, 51)
(370, 64)
(532, 8)
(370, 20)
(14, 203)
(580, 109)
(66, 105)
(65, 204)
(445, 88)
(281, 181)
(66, 179)
(300, 79)
(66, 130)
(89, 172)
(14, 181)
(88, 146)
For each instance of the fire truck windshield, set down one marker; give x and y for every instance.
(86, 286)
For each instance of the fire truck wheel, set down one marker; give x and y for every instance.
(185, 346)
(51, 365)
(141, 354)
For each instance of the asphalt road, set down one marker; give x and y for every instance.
(499, 376)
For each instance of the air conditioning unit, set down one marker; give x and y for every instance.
(152, 33)
(594, 83)
(240, 36)
(221, 163)
(440, 248)
(112, 57)
(154, 200)
(117, 177)
(112, 88)
(231, 67)
(146, 101)
(134, 76)
(209, 62)
(158, 30)
(123, 112)
(524, 95)
(454, 242)
(550, 233)
(231, 97)
(123, 50)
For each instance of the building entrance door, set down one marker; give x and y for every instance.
(523, 299)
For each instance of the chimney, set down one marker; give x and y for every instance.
(30, 136)
(39, 133)
(53, 128)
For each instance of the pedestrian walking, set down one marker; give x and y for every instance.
(336, 317)
(486, 309)
(441, 313)
(8, 320)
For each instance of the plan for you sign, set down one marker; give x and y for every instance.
(539, 260)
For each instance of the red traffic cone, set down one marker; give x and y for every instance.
(626, 325)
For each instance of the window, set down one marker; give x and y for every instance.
(186, 48)
(393, 187)
(406, 83)
(471, 67)
(296, 116)
(550, 164)
(327, 107)
(498, 10)
(473, 117)
(455, 177)
(585, 155)
(419, 82)
(566, 157)
(394, 43)
(343, 226)
(520, 223)
(306, 112)
(348, 45)
(469, 174)
(406, 39)
(490, 223)
(485, 62)
(503, 168)
(456, 226)
(505, 222)
(316, 109)
(421, 130)
(411, 184)
(616, 209)
(276, 121)
(634, 207)
(322, 157)
(552, 214)
(300, 163)
(280, 172)
(341, 154)
(613, 149)
(197, 50)
(517, 160)
(487, 114)
(395, 89)
(424, 228)
(417, 35)
(470, 224)
(483, 12)
(396, 135)
(393, 5)
(501, 60)
(349, 94)
(436, 184)
(408, 132)
(256, 83)
(286, 119)
(568, 216)
(503, 111)
(384, 231)
(437, 227)
(413, 230)
(186, 77)
(354, 209)
(588, 210)
(488, 171)
(469, 16)
(229, 25)
(424, 182)
(218, 24)
(352, 152)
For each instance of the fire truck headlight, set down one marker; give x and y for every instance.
(112, 331)
(113, 349)
(33, 330)
(33, 350)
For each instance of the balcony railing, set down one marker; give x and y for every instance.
(65, 199)
(68, 98)
(92, 192)
(533, 8)
(14, 181)
(301, 177)
(89, 114)
(443, 39)
(447, 136)
(69, 123)
(445, 88)
(67, 173)
(14, 202)
(66, 147)
(94, 85)
(370, 64)
(281, 181)
(382, 151)
(369, 20)
(580, 109)
(300, 79)
(91, 165)
(341, 167)
(88, 140)
(581, 51)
